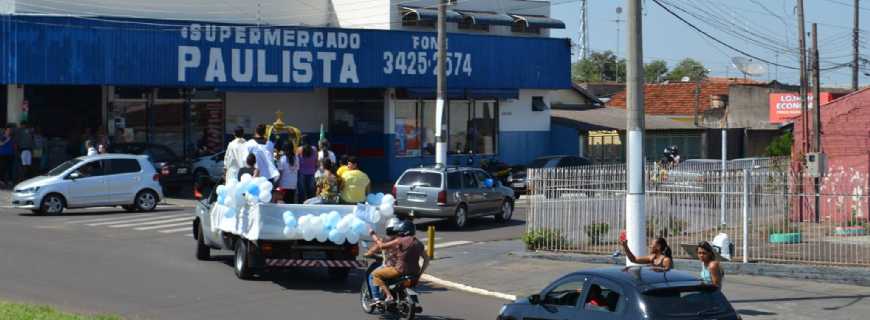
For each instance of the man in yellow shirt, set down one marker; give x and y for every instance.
(355, 183)
(342, 165)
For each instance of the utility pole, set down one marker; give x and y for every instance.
(817, 115)
(635, 211)
(584, 30)
(440, 103)
(802, 40)
(855, 45)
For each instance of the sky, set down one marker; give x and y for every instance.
(766, 29)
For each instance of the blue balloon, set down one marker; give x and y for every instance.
(375, 199)
(254, 190)
(488, 183)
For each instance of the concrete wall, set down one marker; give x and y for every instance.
(304, 110)
(286, 12)
(748, 107)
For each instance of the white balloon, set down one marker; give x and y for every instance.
(290, 232)
(336, 237)
(230, 201)
(387, 212)
(288, 216)
(388, 200)
(353, 238)
(245, 178)
(221, 190)
(323, 235)
(265, 197)
(345, 223)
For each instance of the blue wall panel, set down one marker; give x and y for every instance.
(564, 140)
(521, 147)
(77, 51)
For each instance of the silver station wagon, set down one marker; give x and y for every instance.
(455, 193)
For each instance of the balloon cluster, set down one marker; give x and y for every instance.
(247, 191)
(332, 226)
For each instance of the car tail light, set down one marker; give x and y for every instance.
(395, 192)
(164, 171)
(196, 194)
(442, 197)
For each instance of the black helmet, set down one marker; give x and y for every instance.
(406, 228)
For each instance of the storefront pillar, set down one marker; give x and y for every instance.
(14, 103)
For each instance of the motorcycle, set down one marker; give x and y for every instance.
(407, 303)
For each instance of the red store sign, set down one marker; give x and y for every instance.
(785, 107)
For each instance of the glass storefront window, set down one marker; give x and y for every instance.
(473, 127)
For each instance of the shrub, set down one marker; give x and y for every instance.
(536, 239)
(596, 231)
(783, 228)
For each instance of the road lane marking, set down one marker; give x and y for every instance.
(451, 244)
(187, 223)
(111, 218)
(465, 288)
(176, 230)
(120, 221)
(127, 225)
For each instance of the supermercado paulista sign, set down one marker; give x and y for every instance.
(64, 50)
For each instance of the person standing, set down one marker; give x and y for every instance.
(325, 152)
(234, 157)
(24, 142)
(342, 165)
(355, 184)
(264, 150)
(288, 165)
(327, 184)
(711, 271)
(307, 168)
(89, 146)
(249, 168)
(660, 254)
(40, 153)
(7, 156)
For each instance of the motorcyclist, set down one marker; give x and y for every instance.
(388, 258)
(408, 251)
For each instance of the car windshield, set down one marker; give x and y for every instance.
(421, 179)
(63, 167)
(544, 163)
(685, 302)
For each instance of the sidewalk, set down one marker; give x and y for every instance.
(502, 267)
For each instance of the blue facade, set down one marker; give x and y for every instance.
(81, 51)
(521, 147)
(564, 139)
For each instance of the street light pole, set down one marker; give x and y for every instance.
(440, 115)
(635, 215)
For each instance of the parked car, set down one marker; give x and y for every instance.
(175, 172)
(456, 193)
(518, 179)
(623, 293)
(103, 180)
(211, 166)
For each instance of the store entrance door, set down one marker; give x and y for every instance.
(357, 129)
(67, 115)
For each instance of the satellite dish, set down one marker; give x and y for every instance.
(749, 67)
(685, 79)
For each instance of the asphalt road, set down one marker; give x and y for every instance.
(97, 261)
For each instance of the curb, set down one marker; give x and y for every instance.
(842, 275)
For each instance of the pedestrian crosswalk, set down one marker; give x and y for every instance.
(161, 223)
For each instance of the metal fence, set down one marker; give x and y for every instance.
(767, 211)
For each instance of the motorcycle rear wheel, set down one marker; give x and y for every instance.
(365, 298)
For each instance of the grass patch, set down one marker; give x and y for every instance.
(18, 311)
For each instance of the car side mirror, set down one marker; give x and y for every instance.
(75, 175)
(535, 299)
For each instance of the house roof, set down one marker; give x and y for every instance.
(607, 118)
(602, 89)
(679, 98)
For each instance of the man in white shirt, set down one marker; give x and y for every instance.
(235, 155)
(260, 146)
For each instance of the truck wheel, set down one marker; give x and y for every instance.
(338, 274)
(241, 263)
(203, 252)
(460, 218)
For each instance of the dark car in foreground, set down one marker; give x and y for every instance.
(175, 172)
(518, 179)
(624, 293)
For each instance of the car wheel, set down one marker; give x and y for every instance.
(203, 252)
(129, 208)
(460, 218)
(146, 200)
(241, 261)
(507, 211)
(52, 204)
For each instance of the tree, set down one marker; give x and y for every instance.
(655, 71)
(598, 67)
(688, 67)
(781, 146)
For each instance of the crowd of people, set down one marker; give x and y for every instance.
(305, 174)
(22, 153)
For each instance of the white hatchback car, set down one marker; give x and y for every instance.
(129, 181)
